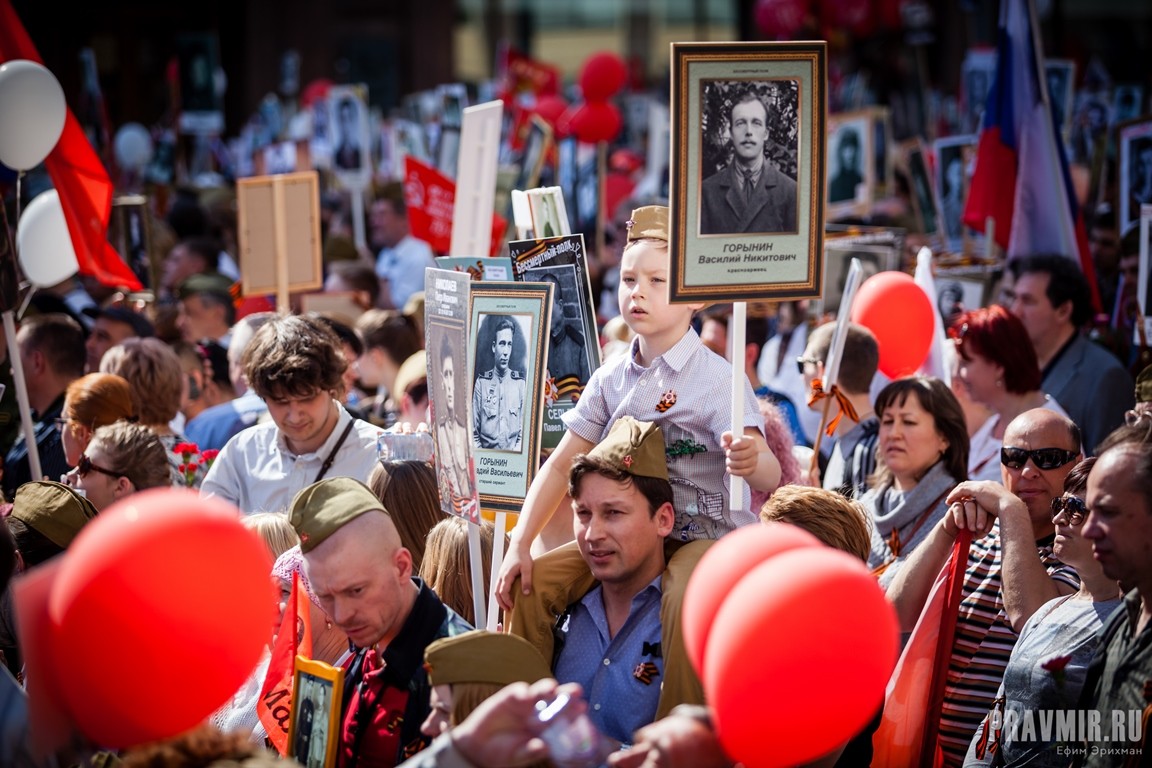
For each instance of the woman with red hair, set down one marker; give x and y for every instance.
(998, 368)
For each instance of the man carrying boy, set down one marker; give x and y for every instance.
(670, 378)
(612, 636)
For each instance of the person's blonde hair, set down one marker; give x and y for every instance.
(153, 371)
(274, 530)
(97, 400)
(134, 451)
(834, 520)
(446, 569)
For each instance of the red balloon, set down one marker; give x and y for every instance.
(596, 121)
(602, 75)
(550, 108)
(781, 19)
(798, 658)
(724, 564)
(161, 609)
(855, 16)
(899, 314)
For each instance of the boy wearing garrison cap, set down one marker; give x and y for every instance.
(670, 378)
(362, 576)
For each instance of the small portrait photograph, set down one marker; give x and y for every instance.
(454, 472)
(348, 130)
(499, 391)
(873, 259)
(536, 149)
(549, 215)
(952, 185)
(1144, 289)
(130, 230)
(851, 171)
(198, 59)
(1135, 171)
(567, 343)
(956, 294)
(279, 158)
(1089, 124)
(976, 75)
(587, 189)
(454, 98)
(924, 201)
(1061, 76)
(750, 153)
(314, 729)
(1127, 103)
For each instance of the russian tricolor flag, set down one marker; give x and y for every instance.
(1021, 179)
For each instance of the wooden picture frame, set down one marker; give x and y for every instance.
(506, 443)
(290, 217)
(1134, 170)
(726, 244)
(851, 164)
(314, 727)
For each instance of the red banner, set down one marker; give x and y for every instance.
(429, 196)
(294, 639)
(523, 73)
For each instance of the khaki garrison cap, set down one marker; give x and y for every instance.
(325, 507)
(635, 447)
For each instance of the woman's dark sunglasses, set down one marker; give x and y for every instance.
(1072, 507)
(85, 465)
(1043, 458)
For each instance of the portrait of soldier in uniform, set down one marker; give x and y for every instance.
(498, 393)
(451, 429)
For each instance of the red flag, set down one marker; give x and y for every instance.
(294, 639)
(429, 196)
(78, 175)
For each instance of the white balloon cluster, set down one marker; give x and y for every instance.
(32, 115)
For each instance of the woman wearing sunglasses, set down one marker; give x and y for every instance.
(120, 459)
(922, 454)
(997, 366)
(1048, 664)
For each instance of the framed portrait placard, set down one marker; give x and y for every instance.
(1144, 288)
(446, 312)
(508, 323)
(924, 201)
(851, 163)
(348, 132)
(1135, 170)
(314, 728)
(130, 232)
(748, 159)
(951, 184)
(573, 349)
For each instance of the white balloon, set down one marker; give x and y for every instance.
(133, 146)
(32, 111)
(43, 243)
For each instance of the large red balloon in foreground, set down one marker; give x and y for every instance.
(724, 564)
(798, 657)
(899, 314)
(161, 608)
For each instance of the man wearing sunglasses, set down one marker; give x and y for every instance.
(1011, 569)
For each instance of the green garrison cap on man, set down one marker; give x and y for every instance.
(325, 507)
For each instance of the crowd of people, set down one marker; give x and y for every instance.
(1037, 447)
(1040, 447)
